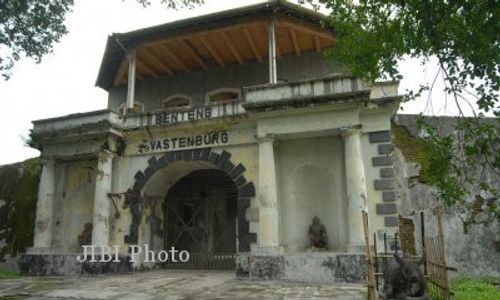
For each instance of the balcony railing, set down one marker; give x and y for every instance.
(332, 89)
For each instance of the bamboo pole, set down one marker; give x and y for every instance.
(369, 260)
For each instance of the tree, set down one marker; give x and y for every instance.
(464, 37)
(31, 28)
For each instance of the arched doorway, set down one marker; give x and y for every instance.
(163, 172)
(200, 216)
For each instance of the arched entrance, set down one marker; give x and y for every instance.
(204, 165)
(200, 213)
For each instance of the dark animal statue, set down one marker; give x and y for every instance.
(403, 279)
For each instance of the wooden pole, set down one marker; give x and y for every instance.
(443, 255)
(369, 260)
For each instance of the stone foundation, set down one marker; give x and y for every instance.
(67, 264)
(320, 267)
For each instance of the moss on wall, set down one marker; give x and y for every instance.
(18, 189)
(413, 149)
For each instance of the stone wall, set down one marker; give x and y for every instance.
(18, 194)
(476, 252)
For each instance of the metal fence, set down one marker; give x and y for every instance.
(221, 261)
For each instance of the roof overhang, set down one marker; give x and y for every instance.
(230, 37)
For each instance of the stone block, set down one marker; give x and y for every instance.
(389, 196)
(196, 154)
(205, 153)
(224, 156)
(387, 172)
(384, 184)
(266, 267)
(380, 136)
(213, 158)
(237, 171)
(325, 267)
(386, 208)
(187, 155)
(227, 166)
(240, 181)
(381, 161)
(385, 149)
(391, 221)
(252, 215)
(246, 191)
(153, 163)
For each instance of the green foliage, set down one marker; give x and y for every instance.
(465, 162)
(31, 28)
(19, 188)
(373, 36)
(175, 4)
(8, 274)
(476, 289)
(413, 149)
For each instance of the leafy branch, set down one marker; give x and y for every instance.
(464, 36)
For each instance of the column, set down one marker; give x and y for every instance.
(268, 199)
(131, 79)
(273, 75)
(45, 205)
(102, 203)
(356, 189)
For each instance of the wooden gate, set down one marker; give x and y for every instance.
(437, 270)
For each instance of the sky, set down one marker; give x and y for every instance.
(64, 82)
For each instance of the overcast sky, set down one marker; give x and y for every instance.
(63, 83)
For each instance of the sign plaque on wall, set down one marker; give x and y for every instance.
(184, 142)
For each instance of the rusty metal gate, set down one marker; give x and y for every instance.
(205, 227)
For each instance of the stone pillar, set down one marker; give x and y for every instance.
(102, 203)
(356, 189)
(268, 199)
(45, 206)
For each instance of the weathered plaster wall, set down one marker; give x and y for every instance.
(474, 253)
(74, 202)
(311, 183)
(196, 84)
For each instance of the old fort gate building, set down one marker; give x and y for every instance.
(224, 136)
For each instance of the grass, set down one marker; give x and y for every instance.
(482, 288)
(8, 274)
(468, 288)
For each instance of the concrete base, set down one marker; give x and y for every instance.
(317, 267)
(67, 264)
(356, 248)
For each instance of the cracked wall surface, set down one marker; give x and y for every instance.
(474, 253)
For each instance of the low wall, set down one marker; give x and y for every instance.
(314, 267)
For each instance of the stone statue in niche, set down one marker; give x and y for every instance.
(317, 235)
(86, 237)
